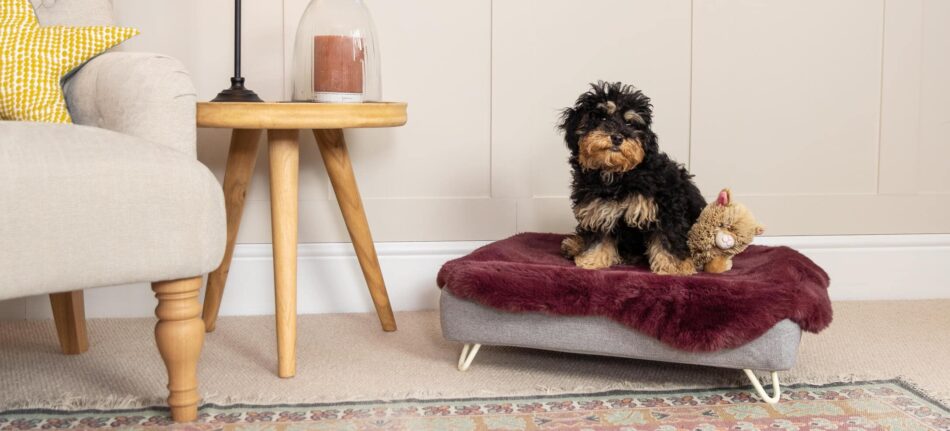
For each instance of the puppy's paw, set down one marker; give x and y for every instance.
(686, 267)
(641, 211)
(665, 263)
(591, 261)
(601, 255)
(571, 246)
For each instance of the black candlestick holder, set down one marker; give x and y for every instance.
(237, 92)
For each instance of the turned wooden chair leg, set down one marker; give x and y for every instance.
(69, 313)
(179, 334)
(241, 160)
(340, 170)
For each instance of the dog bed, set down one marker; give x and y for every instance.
(522, 292)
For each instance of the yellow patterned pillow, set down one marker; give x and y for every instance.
(34, 59)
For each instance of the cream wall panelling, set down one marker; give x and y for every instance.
(399, 219)
(540, 66)
(935, 92)
(901, 96)
(915, 121)
(837, 129)
(786, 96)
(822, 131)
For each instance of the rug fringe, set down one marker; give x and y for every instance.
(72, 402)
(738, 381)
(936, 397)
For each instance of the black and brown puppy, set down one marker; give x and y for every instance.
(630, 199)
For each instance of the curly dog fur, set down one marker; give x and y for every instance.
(630, 199)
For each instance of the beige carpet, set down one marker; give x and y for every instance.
(347, 357)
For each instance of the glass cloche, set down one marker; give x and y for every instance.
(336, 55)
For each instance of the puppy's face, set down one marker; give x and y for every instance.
(608, 129)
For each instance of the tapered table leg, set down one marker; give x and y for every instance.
(337, 160)
(241, 160)
(284, 152)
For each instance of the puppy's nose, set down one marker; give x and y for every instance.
(616, 139)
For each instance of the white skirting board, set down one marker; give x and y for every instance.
(861, 268)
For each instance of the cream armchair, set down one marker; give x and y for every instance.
(117, 198)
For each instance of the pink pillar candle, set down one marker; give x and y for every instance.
(338, 69)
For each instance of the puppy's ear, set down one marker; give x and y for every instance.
(650, 144)
(572, 121)
(634, 100)
(646, 109)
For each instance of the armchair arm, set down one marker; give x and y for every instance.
(149, 96)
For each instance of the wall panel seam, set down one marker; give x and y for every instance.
(283, 51)
(491, 98)
(880, 106)
(689, 135)
(918, 130)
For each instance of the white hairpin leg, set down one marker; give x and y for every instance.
(776, 390)
(468, 355)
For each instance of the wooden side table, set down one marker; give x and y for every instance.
(283, 122)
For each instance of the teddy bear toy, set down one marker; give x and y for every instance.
(724, 229)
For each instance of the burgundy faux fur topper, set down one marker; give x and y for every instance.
(703, 312)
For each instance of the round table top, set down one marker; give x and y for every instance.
(300, 115)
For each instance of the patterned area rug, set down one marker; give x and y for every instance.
(877, 405)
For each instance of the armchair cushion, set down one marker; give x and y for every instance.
(149, 96)
(84, 207)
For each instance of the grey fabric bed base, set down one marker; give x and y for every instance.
(471, 323)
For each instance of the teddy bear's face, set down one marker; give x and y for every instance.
(725, 240)
(735, 227)
(724, 229)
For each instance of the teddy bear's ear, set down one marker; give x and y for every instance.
(725, 198)
(759, 230)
